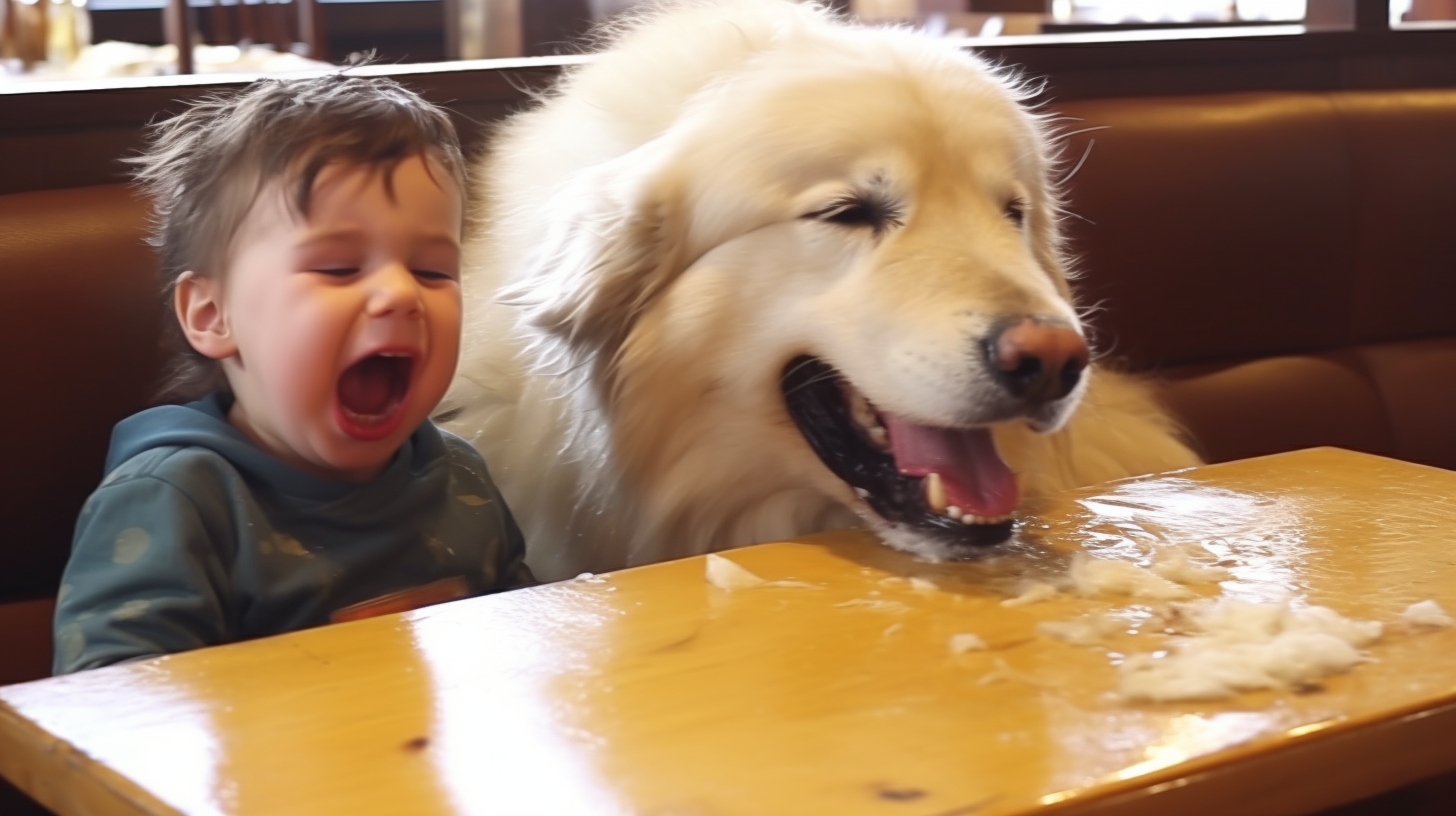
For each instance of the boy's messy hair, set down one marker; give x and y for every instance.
(204, 168)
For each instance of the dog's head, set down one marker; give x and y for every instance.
(840, 266)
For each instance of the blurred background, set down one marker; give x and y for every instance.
(43, 40)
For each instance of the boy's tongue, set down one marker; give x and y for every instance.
(976, 479)
(370, 387)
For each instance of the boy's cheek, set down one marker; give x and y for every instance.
(298, 357)
(448, 316)
(449, 300)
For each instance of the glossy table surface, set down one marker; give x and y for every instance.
(650, 691)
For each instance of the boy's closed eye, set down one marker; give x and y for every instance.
(441, 275)
(436, 263)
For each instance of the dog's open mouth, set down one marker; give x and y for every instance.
(949, 484)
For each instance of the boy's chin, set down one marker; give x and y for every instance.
(350, 466)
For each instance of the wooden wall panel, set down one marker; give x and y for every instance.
(74, 136)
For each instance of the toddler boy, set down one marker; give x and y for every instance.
(309, 234)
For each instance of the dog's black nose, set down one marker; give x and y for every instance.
(1037, 360)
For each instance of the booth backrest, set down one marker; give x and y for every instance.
(79, 318)
(1285, 259)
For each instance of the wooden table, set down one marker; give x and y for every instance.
(651, 692)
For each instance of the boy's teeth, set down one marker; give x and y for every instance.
(363, 419)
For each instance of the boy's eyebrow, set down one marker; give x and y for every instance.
(351, 233)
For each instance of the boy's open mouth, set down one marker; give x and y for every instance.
(371, 393)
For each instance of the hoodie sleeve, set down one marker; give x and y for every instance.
(512, 570)
(486, 525)
(145, 578)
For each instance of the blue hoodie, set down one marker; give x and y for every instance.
(197, 537)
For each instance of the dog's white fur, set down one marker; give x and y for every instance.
(646, 271)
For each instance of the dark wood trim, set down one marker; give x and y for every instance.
(74, 135)
(311, 30)
(1265, 58)
(399, 31)
(177, 21)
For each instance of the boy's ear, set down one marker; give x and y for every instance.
(198, 303)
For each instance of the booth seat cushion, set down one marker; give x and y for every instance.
(25, 638)
(1417, 382)
(1279, 403)
(1393, 399)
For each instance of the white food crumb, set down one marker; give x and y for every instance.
(966, 642)
(1098, 576)
(725, 574)
(1426, 613)
(873, 603)
(1240, 646)
(1005, 672)
(1322, 619)
(1033, 593)
(1088, 630)
(893, 629)
(1175, 564)
(923, 585)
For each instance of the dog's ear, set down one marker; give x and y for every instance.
(617, 238)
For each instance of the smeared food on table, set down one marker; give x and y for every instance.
(1216, 647)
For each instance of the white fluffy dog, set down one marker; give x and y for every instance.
(754, 272)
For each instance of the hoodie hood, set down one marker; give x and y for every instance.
(204, 424)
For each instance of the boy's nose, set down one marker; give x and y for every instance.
(394, 290)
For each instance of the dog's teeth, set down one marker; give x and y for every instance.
(935, 493)
(879, 436)
(860, 410)
(954, 512)
(861, 492)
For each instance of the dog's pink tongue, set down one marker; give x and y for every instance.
(976, 479)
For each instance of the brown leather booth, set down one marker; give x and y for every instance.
(1285, 260)
(79, 318)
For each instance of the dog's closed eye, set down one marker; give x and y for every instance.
(1016, 212)
(876, 212)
